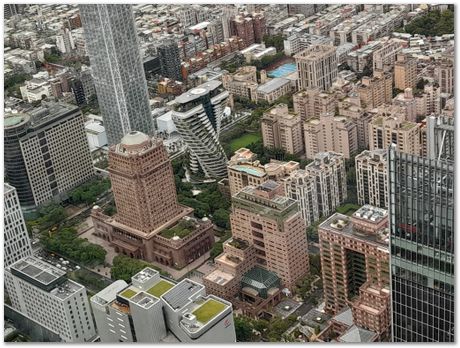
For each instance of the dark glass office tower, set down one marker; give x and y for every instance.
(421, 208)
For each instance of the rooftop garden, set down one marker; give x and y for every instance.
(208, 310)
(238, 243)
(160, 288)
(128, 293)
(181, 229)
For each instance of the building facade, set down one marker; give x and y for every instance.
(43, 293)
(151, 307)
(282, 129)
(170, 60)
(46, 153)
(421, 207)
(405, 73)
(16, 238)
(197, 116)
(313, 103)
(372, 178)
(271, 223)
(317, 67)
(112, 45)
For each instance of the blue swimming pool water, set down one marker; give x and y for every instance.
(283, 70)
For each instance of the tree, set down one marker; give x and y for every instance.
(276, 41)
(125, 267)
(243, 329)
(216, 250)
(433, 23)
(221, 218)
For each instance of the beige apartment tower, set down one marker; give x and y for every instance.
(245, 170)
(282, 129)
(390, 128)
(330, 133)
(313, 103)
(377, 90)
(317, 67)
(371, 178)
(272, 224)
(405, 72)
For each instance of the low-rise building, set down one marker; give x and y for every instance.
(273, 89)
(152, 307)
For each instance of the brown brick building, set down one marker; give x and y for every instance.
(150, 224)
(355, 267)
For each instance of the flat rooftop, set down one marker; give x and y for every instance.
(209, 310)
(37, 271)
(249, 169)
(179, 295)
(219, 277)
(340, 223)
(160, 288)
(197, 92)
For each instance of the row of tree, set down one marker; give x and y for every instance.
(66, 242)
(89, 191)
(124, 267)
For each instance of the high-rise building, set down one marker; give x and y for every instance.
(197, 115)
(330, 133)
(407, 103)
(384, 57)
(282, 129)
(271, 223)
(260, 27)
(306, 10)
(328, 168)
(245, 170)
(405, 72)
(170, 61)
(355, 267)
(116, 64)
(153, 309)
(243, 27)
(43, 293)
(150, 224)
(376, 91)
(421, 209)
(46, 153)
(16, 239)
(317, 67)
(372, 178)
(440, 137)
(445, 74)
(390, 128)
(313, 103)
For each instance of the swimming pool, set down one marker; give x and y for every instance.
(283, 70)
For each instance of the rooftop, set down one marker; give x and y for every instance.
(208, 310)
(160, 288)
(197, 92)
(182, 229)
(273, 85)
(248, 169)
(37, 271)
(179, 295)
(340, 223)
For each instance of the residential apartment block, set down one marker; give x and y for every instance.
(312, 103)
(377, 90)
(282, 129)
(245, 170)
(372, 178)
(242, 83)
(405, 71)
(317, 67)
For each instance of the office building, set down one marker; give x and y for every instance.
(376, 91)
(197, 115)
(43, 293)
(116, 64)
(317, 67)
(245, 170)
(405, 73)
(372, 178)
(46, 153)
(153, 309)
(16, 238)
(330, 133)
(170, 60)
(355, 267)
(391, 128)
(313, 103)
(421, 209)
(440, 137)
(149, 224)
(282, 129)
(328, 169)
(270, 222)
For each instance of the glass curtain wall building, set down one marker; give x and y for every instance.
(421, 206)
(118, 73)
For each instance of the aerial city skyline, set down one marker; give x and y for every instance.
(229, 173)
